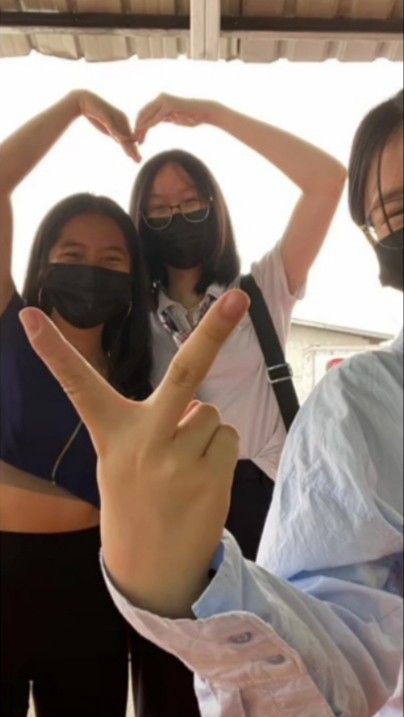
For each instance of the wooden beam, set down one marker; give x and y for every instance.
(197, 29)
(239, 26)
(200, 10)
(212, 29)
(203, 26)
(205, 29)
(93, 23)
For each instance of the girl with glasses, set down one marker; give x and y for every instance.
(192, 259)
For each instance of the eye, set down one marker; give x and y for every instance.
(71, 256)
(192, 205)
(158, 212)
(115, 261)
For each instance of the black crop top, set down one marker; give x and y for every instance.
(40, 431)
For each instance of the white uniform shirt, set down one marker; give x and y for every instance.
(237, 383)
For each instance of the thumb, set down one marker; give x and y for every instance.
(97, 403)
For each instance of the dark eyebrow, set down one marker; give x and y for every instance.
(162, 196)
(394, 196)
(118, 249)
(69, 243)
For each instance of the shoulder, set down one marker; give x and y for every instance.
(15, 347)
(270, 276)
(369, 372)
(9, 317)
(269, 263)
(356, 375)
(270, 272)
(347, 405)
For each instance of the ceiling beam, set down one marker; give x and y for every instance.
(205, 29)
(212, 29)
(92, 23)
(289, 26)
(197, 30)
(204, 26)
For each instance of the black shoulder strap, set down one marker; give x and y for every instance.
(279, 372)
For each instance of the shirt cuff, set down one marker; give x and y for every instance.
(224, 645)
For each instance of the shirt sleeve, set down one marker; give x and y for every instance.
(270, 275)
(242, 667)
(316, 628)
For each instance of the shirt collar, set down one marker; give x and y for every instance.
(165, 302)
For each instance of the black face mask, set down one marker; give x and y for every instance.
(86, 296)
(182, 244)
(389, 252)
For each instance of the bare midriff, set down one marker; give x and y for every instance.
(32, 505)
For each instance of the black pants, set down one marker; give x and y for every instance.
(164, 686)
(59, 629)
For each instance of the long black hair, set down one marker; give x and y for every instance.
(221, 263)
(371, 138)
(127, 341)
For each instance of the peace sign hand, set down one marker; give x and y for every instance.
(165, 466)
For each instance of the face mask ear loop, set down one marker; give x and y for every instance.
(119, 330)
(43, 301)
(379, 189)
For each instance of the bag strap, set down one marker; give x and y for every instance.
(279, 371)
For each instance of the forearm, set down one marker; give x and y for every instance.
(307, 166)
(20, 152)
(165, 582)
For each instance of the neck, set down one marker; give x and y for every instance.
(88, 342)
(181, 285)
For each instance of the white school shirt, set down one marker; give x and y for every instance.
(316, 628)
(238, 383)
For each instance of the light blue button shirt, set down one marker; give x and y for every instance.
(316, 628)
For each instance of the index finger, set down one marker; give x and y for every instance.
(194, 359)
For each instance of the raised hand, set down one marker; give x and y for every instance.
(167, 108)
(109, 120)
(165, 466)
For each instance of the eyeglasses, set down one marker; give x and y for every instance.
(372, 235)
(193, 211)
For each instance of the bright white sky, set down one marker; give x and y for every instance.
(323, 103)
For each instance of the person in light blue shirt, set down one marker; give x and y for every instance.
(315, 629)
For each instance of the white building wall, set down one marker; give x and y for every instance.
(310, 348)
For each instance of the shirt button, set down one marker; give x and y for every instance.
(277, 660)
(241, 639)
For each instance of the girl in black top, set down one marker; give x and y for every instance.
(59, 628)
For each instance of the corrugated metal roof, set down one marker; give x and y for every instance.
(250, 30)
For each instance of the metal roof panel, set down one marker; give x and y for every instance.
(162, 36)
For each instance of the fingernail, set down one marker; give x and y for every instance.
(31, 322)
(234, 305)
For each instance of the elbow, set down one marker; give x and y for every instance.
(334, 182)
(5, 194)
(331, 184)
(6, 187)
(339, 175)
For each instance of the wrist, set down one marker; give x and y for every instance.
(75, 102)
(153, 587)
(213, 113)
